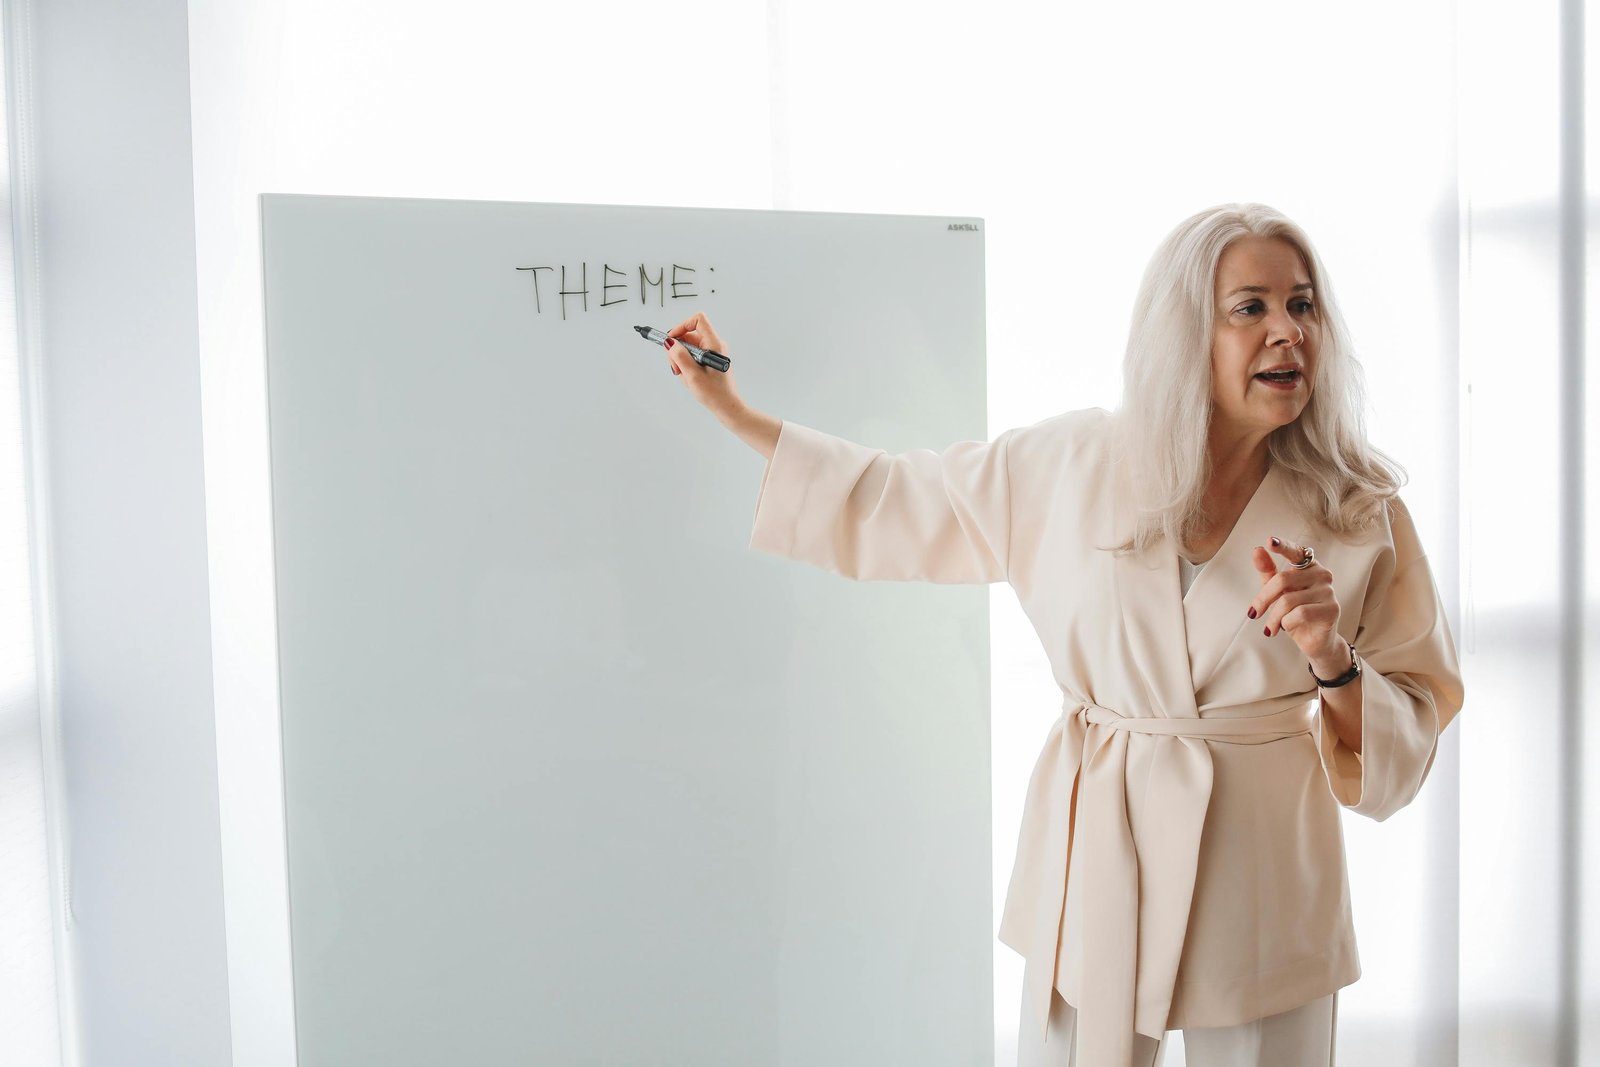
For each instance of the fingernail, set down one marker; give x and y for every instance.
(1267, 630)
(669, 342)
(1251, 613)
(1276, 543)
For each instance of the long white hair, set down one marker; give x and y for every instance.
(1335, 477)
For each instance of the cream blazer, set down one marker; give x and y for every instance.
(1181, 859)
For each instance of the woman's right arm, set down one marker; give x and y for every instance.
(717, 390)
(861, 512)
(755, 429)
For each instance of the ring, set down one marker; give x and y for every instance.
(1311, 557)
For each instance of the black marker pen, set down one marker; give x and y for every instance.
(703, 356)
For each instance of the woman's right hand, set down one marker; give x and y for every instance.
(713, 388)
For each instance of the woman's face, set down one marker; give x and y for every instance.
(1274, 321)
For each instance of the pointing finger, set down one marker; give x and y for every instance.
(1289, 550)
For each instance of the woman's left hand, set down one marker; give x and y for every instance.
(1298, 601)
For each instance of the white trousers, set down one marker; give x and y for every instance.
(1300, 1037)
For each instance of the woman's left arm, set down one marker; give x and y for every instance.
(1377, 736)
(1341, 704)
(1411, 691)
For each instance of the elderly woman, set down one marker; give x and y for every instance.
(1243, 624)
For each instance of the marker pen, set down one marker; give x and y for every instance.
(703, 356)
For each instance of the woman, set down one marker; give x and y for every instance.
(1181, 862)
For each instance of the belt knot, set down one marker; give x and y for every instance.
(1286, 722)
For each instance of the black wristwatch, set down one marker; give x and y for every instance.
(1344, 679)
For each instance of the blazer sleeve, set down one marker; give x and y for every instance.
(862, 513)
(1411, 688)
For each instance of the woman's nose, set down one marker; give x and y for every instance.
(1285, 331)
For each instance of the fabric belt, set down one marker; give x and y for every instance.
(1112, 945)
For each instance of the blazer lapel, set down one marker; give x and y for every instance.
(1150, 598)
(1177, 642)
(1213, 612)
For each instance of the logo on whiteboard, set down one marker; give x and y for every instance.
(962, 226)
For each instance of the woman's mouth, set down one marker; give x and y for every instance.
(1285, 380)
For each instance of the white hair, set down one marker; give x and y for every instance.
(1335, 477)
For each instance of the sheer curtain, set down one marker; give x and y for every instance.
(1529, 947)
(31, 913)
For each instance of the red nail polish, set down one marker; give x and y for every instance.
(1251, 613)
(1267, 630)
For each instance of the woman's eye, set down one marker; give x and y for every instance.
(1254, 305)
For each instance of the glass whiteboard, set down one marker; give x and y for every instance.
(572, 774)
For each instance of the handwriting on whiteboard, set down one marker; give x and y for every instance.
(573, 287)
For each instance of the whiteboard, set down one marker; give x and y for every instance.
(573, 775)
